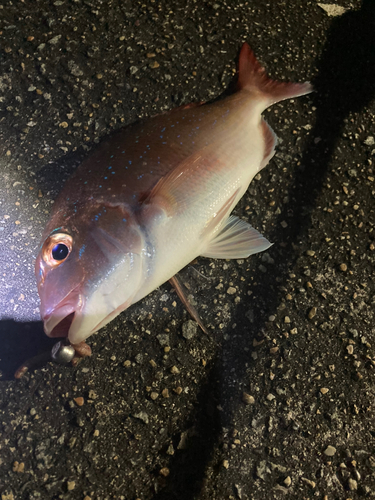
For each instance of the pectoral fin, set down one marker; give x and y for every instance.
(236, 240)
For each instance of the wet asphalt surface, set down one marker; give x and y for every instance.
(278, 401)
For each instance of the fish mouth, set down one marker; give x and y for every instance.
(62, 328)
(59, 321)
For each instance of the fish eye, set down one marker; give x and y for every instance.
(60, 251)
(56, 249)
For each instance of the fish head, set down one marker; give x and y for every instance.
(88, 270)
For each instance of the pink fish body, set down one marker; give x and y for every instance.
(152, 198)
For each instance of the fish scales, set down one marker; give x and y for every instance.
(150, 199)
(130, 162)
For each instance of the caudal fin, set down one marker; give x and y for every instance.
(252, 76)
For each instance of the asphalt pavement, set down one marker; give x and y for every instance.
(278, 400)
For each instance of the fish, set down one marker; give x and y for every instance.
(153, 197)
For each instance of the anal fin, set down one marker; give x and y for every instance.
(270, 141)
(236, 240)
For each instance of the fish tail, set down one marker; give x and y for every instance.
(253, 77)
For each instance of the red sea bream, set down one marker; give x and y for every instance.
(152, 198)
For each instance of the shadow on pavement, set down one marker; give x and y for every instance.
(344, 85)
(19, 342)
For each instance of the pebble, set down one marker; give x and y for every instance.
(330, 451)
(127, 363)
(164, 471)
(163, 338)
(369, 141)
(18, 467)
(189, 329)
(287, 481)
(165, 393)
(92, 394)
(357, 474)
(142, 415)
(7, 496)
(154, 395)
(225, 464)
(352, 484)
(324, 390)
(71, 485)
(350, 349)
(80, 421)
(175, 370)
(74, 69)
(270, 397)
(54, 40)
(182, 445)
(262, 470)
(79, 401)
(231, 290)
(310, 253)
(247, 399)
(332, 9)
(170, 450)
(343, 267)
(72, 442)
(312, 313)
(237, 487)
(308, 481)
